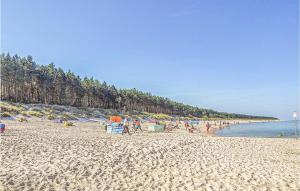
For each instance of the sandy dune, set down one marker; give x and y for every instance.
(47, 156)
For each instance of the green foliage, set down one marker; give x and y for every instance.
(5, 114)
(163, 123)
(161, 116)
(50, 117)
(205, 118)
(67, 124)
(24, 113)
(67, 117)
(22, 119)
(47, 84)
(35, 113)
(11, 108)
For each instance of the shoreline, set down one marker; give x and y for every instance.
(215, 127)
(282, 133)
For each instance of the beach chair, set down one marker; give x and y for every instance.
(114, 128)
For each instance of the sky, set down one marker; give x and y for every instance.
(227, 55)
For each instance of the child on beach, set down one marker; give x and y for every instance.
(138, 125)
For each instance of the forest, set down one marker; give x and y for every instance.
(24, 81)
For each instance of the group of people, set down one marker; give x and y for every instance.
(135, 124)
(189, 127)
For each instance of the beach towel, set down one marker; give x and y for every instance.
(156, 128)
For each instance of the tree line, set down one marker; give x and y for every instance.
(22, 80)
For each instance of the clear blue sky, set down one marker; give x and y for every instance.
(235, 55)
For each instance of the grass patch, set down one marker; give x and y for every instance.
(67, 117)
(24, 113)
(161, 116)
(22, 119)
(35, 113)
(50, 117)
(7, 107)
(67, 124)
(5, 114)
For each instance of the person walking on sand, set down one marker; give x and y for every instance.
(126, 126)
(207, 127)
(133, 125)
(186, 125)
(176, 124)
(138, 125)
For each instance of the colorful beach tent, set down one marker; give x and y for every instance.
(116, 119)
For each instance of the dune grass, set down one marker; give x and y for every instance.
(5, 114)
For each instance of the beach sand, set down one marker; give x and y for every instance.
(43, 155)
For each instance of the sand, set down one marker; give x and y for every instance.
(46, 156)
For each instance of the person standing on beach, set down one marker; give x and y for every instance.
(157, 122)
(207, 127)
(126, 126)
(176, 124)
(133, 124)
(138, 125)
(186, 125)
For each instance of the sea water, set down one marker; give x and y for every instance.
(286, 129)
